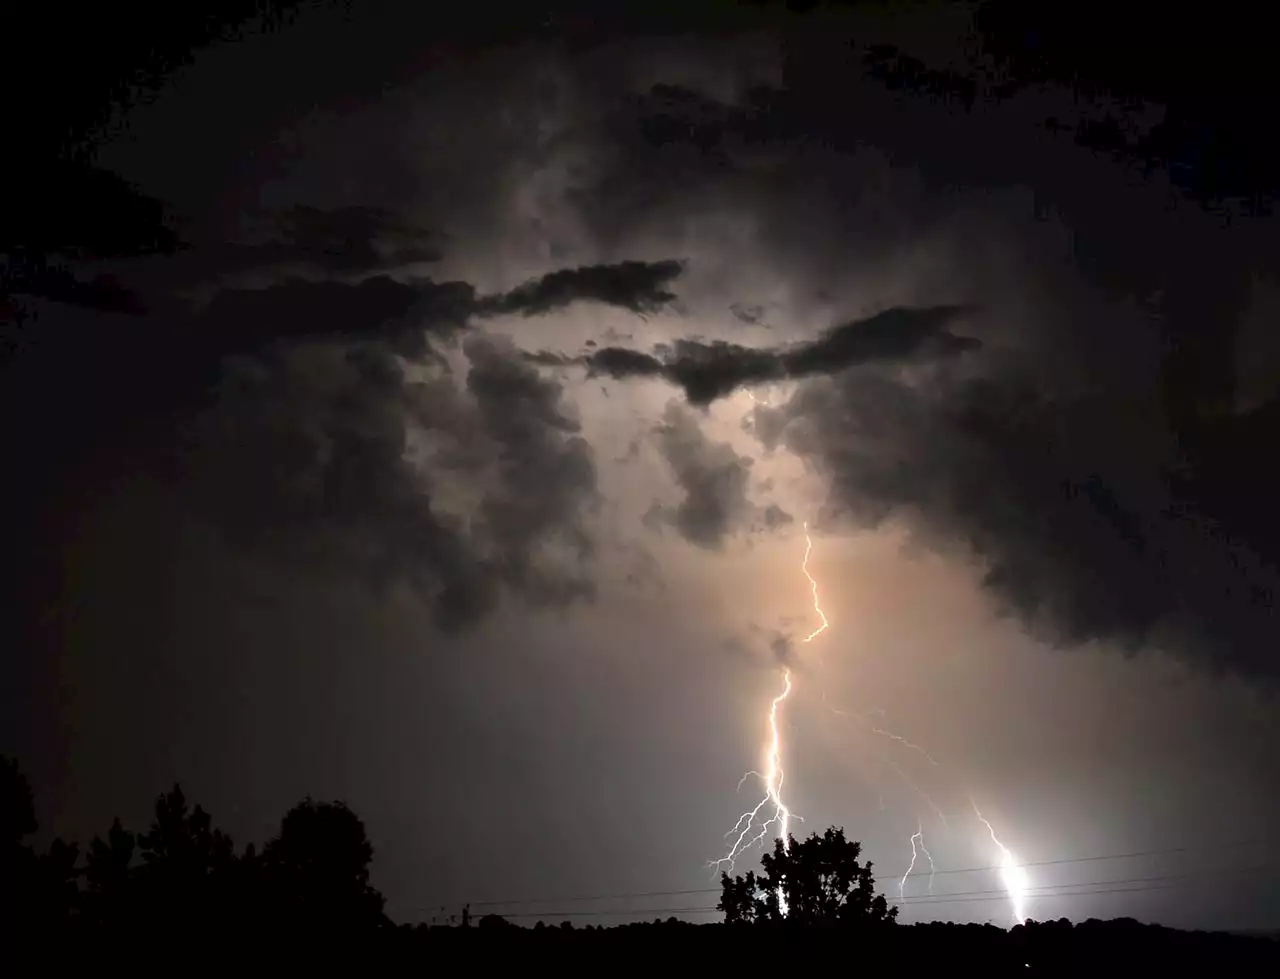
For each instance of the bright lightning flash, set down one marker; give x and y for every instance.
(773, 775)
(813, 587)
(917, 848)
(1012, 875)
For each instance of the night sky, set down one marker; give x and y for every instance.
(460, 464)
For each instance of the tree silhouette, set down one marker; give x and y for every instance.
(38, 891)
(817, 881)
(18, 864)
(187, 865)
(109, 894)
(317, 870)
(17, 813)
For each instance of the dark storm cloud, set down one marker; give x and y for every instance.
(280, 413)
(712, 477)
(1102, 469)
(641, 287)
(750, 313)
(1073, 507)
(244, 320)
(547, 472)
(707, 371)
(304, 460)
(310, 471)
(337, 241)
(352, 239)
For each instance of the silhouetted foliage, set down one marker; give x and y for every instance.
(107, 899)
(17, 813)
(185, 875)
(180, 888)
(317, 868)
(184, 880)
(816, 881)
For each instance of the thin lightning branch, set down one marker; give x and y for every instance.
(917, 848)
(907, 744)
(918, 749)
(942, 817)
(1012, 875)
(937, 811)
(927, 855)
(902, 884)
(813, 587)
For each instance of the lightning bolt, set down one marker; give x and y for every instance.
(749, 830)
(773, 775)
(917, 848)
(1012, 874)
(813, 588)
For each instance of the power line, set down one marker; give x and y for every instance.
(1120, 886)
(1051, 888)
(1089, 859)
(918, 873)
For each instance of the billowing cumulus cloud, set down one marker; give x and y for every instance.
(713, 479)
(1090, 450)
(286, 408)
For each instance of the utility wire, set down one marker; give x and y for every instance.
(917, 873)
(1130, 886)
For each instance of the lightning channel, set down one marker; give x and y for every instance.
(772, 778)
(750, 829)
(813, 588)
(917, 848)
(1012, 875)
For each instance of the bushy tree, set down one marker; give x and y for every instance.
(317, 869)
(186, 864)
(109, 894)
(817, 881)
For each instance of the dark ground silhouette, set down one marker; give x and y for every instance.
(183, 887)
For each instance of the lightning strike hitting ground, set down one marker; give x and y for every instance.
(1012, 875)
(749, 830)
(773, 774)
(772, 777)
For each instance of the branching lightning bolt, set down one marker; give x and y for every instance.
(917, 848)
(748, 830)
(772, 777)
(1012, 874)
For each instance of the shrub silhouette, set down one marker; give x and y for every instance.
(816, 881)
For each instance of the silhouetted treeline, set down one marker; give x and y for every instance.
(1092, 947)
(183, 879)
(182, 887)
